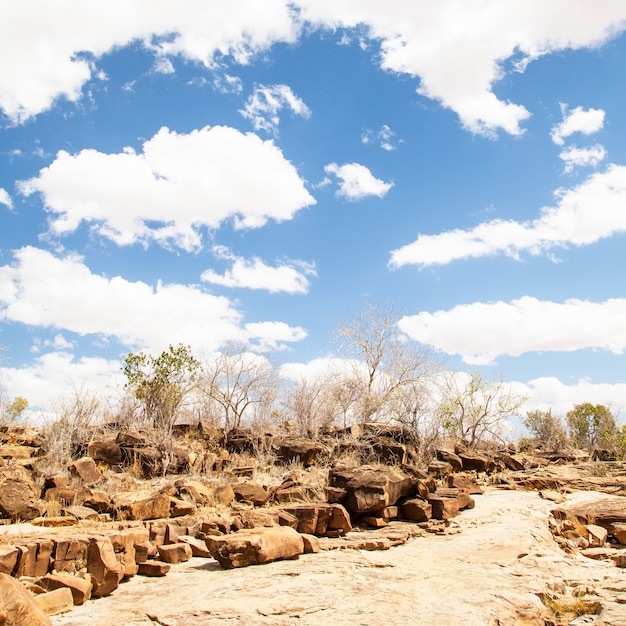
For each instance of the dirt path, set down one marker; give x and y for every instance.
(487, 574)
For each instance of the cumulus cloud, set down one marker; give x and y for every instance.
(582, 157)
(265, 103)
(578, 120)
(385, 138)
(459, 49)
(357, 182)
(481, 332)
(54, 47)
(584, 214)
(550, 393)
(178, 184)
(289, 277)
(46, 291)
(5, 198)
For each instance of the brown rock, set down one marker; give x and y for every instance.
(449, 457)
(251, 492)
(106, 571)
(175, 553)
(18, 604)
(476, 462)
(616, 530)
(155, 507)
(596, 535)
(55, 602)
(196, 492)
(87, 470)
(335, 495)
(198, 547)
(105, 451)
(8, 558)
(320, 519)
(416, 510)
(63, 495)
(80, 588)
(154, 568)
(461, 481)
(444, 508)
(123, 543)
(439, 469)
(224, 494)
(18, 500)
(462, 496)
(80, 512)
(256, 546)
(178, 508)
(70, 554)
(311, 544)
(307, 451)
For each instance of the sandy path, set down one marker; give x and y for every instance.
(477, 576)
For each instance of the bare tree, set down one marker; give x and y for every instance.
(241, 383)
(472, 409)
(385, 360)
(311, 405)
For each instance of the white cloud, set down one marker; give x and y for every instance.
(225, 83)
(357, 182)
(290, 277)
(178, 184)
(582, 157)
(481, 332)
(458, 49)
(44, 291)
(549, 393)
(52, 45)
(265, 103)
(578, 120)
(5, 198)
(385, 138)
(58, 373)
(584, 214)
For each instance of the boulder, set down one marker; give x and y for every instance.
(251, 492)
(55, 602)
(81, 512)
(604, 511)
(371, 488)
(256, 546)
(87, 470)
(618, 531)
(105, 451)
(99, 501)
(198, 547)
(320, 519)
(154, 568)
(70, 554)
(106, 571)
(175, 553)
(153, 507)
(461, 495)
(416, 510)
(62, 495)
(439, 469)
(444, 508)
(307, 451)
(8, 558)
(80, 588)
(450, 457)
(477, 462)
(596, 535)
(179, 508)
(19, 501)
(461, 481)
(196, 492)
(224, 494)
(18, 604)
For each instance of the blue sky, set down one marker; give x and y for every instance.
(200, 171)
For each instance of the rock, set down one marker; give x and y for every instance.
(476, 462)
(224, 494)
(510, 461)
(144, 551)
(307, 451)
(70, 554)
(57, 521)
(80, 588)
(439, 469)
(444, 508)
(18, 604)
(297, 494)
(197, 492)
(123, 543)
(198, 547)
(461, 495)
(335, 495)
(374, 522)
(311, 544)
(154, 568)
(604, 511)
(106, 571)
(8, 558)
(416, 510)
(256, 546)
(55, 602)
(19, 501)
(175, 553)
(107, 452)
(616, 530)
(179, 508)
(154, 507)
(87, 470)
(450, 457)
(62, 495)
(251, 492)
(596, 535)
(80, 512)
(320, 519)
(17, 452)
(370, 488)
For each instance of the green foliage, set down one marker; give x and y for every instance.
(591, 426)
(14, 410)
(161, 383)
(546, 429)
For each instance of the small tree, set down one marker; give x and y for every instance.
(241, 383)
(473, 409)
(546, 429)
(591, 426)
(161, 383)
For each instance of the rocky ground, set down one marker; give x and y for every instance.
(352, 530)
